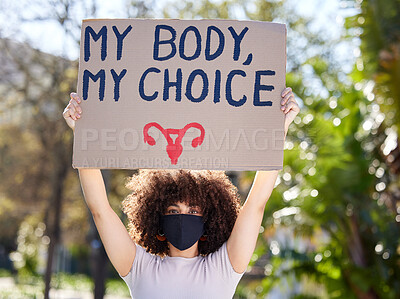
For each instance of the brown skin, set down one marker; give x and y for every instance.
(154, 192)
(246, 221)
(182, 208)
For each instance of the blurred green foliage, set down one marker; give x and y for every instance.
(336, 173)
(29, 258)
(29, 287)
(330, 224)
(330, 228)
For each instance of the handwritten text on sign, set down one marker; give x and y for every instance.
(196, 83)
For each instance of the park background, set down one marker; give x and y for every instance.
(331, 228)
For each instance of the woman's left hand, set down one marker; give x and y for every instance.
(289, 106)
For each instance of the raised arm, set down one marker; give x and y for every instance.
(242, 241)
(119, 246)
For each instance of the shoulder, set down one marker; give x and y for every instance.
(220, 261)
(141, 261)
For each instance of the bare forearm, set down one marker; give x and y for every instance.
(94, 190)
(243, 238)
(262, 187)
(119, 246)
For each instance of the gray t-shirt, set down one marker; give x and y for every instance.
(153, 277)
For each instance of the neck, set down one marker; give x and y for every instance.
(188, 253)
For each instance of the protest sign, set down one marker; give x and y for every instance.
(196, 94)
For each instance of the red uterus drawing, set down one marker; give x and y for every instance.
(174, 149)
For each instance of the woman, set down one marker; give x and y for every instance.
(189, 237)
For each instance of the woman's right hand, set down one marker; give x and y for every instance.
(73, 110)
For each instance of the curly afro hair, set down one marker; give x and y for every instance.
(154, 190)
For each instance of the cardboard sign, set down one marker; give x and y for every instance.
(196, 94)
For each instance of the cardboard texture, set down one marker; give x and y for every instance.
(195, 94)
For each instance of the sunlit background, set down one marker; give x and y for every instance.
(332, 225)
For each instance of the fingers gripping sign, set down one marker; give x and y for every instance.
(73, 110)
(289, 107)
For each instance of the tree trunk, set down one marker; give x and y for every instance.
(54, 221)
(357, 254)
(99, 267)
(49, 266)
(99, 258)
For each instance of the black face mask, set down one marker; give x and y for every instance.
(182, 230)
